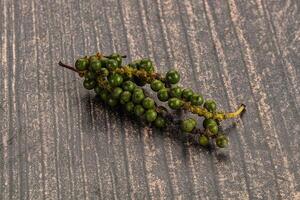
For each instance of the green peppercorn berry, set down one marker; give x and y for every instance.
(81, 64)
(111, 64)
(210, 105)
(104, 72)
(196, 100)
(213, 128)
(138, 96)
(150, 115)
(173, 76)
(90, 75)
(188, 125)
(95, 65)
(117, 57)
(163, 94)
(129, 107)
(115, 80)
(176, 92)
(222, 141)
(139, 110)
(187, 94)
(97, 90)
(138, 90)
(128, 86)
(148, 103)
(147, 65)
(112, 102)
(203, 140)
(104, 95)
(89, 84)
(156, 85)
(116, 93)
(175, 103)
(160, 122)
(207, 122)
(104, 62)
(125, 97)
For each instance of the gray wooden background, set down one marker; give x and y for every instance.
(57, 143)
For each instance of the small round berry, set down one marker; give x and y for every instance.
(213, 128)
(139, 110)
(125, 97)
(188, 125)
(112, 102)
(187, 94)
(98, 90)
(81, 64)
(173, 76)
(111, 64)
(147, 65)
(137, 96)
(129, 107)
(156, 85)
(95, 65)
(203, 140)
(138, 90)
(150, 115)
(210, 105)
(176, 92)
(116, 93)
(128, 86)
(148, 103)
(89, 84)
(160, 122)
(93, 57)
(163, 94)
(207, 122)
(196, 100)
(104, 72)
(222, 141)
(90, 75)
(117, 57)
(175, 103)
(104, 95)
(115, 80)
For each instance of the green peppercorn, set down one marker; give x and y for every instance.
(116, 93)
(95, 65)
(210, 105)
(173, 76)
(129, 107)
(111, 64)
(138, 90)
(163, 94)
(222, 141)
(89, 84)
(117, 57)
(148, 103)
(104, 72)
(139, 110)
(207, 122)
(90, 76)
(150, 115)
(137, 96)
(176, 92)
(156, 85)
(147, 65)
(187, 94)
(128, 86)
(104, 62)
(188, 125)
(112, 102)
(104, 95)
(160, 122)
(196, 100)
(213, 128)
(81, 64)
(175, 103)
(203, 140)
(115, 80)
(98, 90)
(125, 97)
(93, 57)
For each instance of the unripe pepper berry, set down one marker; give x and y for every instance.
(188, 125)
(148, 103)
(116, 93)
(203, 140)
(176, 92)
(81, 64)
(156, 85)
(175, 103)
(196, 100)
(210, 105)
(160, 122)
(150, 115)
(139, 110)
(115, 80)
(222, 141)
(187, 94)
(163, 95)
(173, 76)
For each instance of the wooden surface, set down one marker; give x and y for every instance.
(57, 143)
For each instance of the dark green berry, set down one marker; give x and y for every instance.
(160, 122)
(188, 125)
(112, 102)
(115, 80)
(138, 90)
(125, 97)
(138, 96)
(129, 107)
(175, 103)
(203, 140)
(116, 57)
(213, 128)
(150, 115)
(139, 110)
(95, 65)
(147, 65)
(163, 94)
(111, 64)
(156, 85)
(207, 122)
(196, 100)
(89, 84)
(104, 72)
(222, 141)
(128, 86)
(176, 92)
(187, 94)
(210, 105)
(173, 76)
(104, 95)
(116, 93)
(81, 64)
(90, 75)
(148, 103)
(97, 90)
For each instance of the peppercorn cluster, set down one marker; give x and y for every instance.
(122, 85)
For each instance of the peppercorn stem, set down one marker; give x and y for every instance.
(67, 66)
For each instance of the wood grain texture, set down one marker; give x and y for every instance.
(57, 142)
